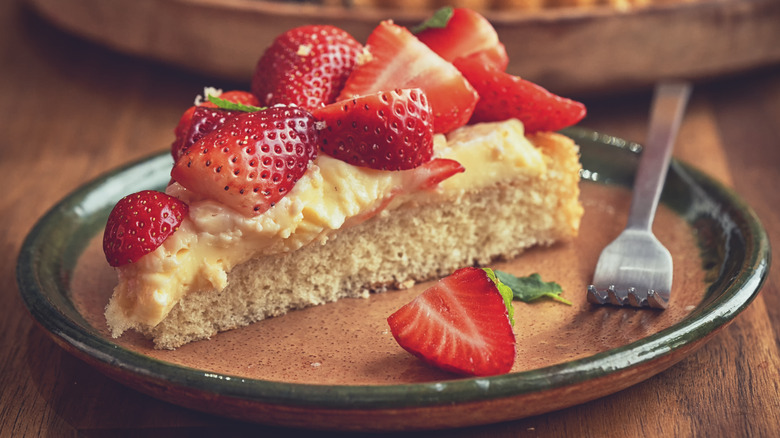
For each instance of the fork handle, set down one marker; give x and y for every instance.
(669, 101)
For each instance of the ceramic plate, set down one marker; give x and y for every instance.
(564, 48)
(289, 370)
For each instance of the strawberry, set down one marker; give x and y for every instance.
(252, 161)
(504, 96)
(306, 66)
(139, 223)
(386, 131)
(203, 120)
(463, 32)
(460, 324)
(430, 174)
(192, 127)
(399, 60)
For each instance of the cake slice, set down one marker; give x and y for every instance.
(336, 225)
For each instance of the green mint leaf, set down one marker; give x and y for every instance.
(228, 105)
(505, 292)
(532, 287)
(438, 20)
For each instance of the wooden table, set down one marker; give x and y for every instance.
(70, 110)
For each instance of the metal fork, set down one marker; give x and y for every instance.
(636, 269)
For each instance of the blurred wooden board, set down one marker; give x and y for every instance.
(569, 50)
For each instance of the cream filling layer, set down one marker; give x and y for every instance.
(332, 194)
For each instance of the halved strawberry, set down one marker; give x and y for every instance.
(503, 96)
(203, 121)
(399, 60)
(306, 66)
(429, 175)
(460, 324)
(252, 161)
(139, 223)
(192, 127)
(390, 130)
(465, 32)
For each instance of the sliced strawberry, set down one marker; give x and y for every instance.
(390, 130)
(399, 60)
(203, 121)
(495, 56)
(424, 177)
(252, 161)
(236, 96)
(139, 223)
(430, 174)
(466, 32)
(460, 324)
(188, 132)
(504, 96)
(306, 66)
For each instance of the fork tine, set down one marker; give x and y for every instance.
(634, 299)
(613, 297)
(594, 296)
(656, 300)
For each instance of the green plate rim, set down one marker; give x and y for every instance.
(35, 276)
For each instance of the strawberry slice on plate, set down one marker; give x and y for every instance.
(460, 324)
(503, 96)
(387, 130)
(252, 161)
(453, 33)
(139, 224)
(397, 59)
(306, 66)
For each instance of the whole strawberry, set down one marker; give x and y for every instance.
(252, 161)
(306, 66)
(460, 324)
(387, 131)
(202, 118)
(139, 223)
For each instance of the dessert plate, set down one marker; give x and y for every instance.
(565, 48)
(336, 366)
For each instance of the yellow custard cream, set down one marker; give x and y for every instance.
(331, 195)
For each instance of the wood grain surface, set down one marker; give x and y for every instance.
(570, 49)
(71, 110)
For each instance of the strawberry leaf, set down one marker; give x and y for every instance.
(438, 20)
(232, 106)
(532, 287)
(506, 293)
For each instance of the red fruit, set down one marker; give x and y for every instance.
(236, 96)
(252, 161)
(399, 60)
(188, 132)
(430, 174)
(503, 96)
(203, 121)
(306, 66)
(387, 131)
(426, 176)
(495, 56)
(460, 324)
(139, 223)
(466, 32)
